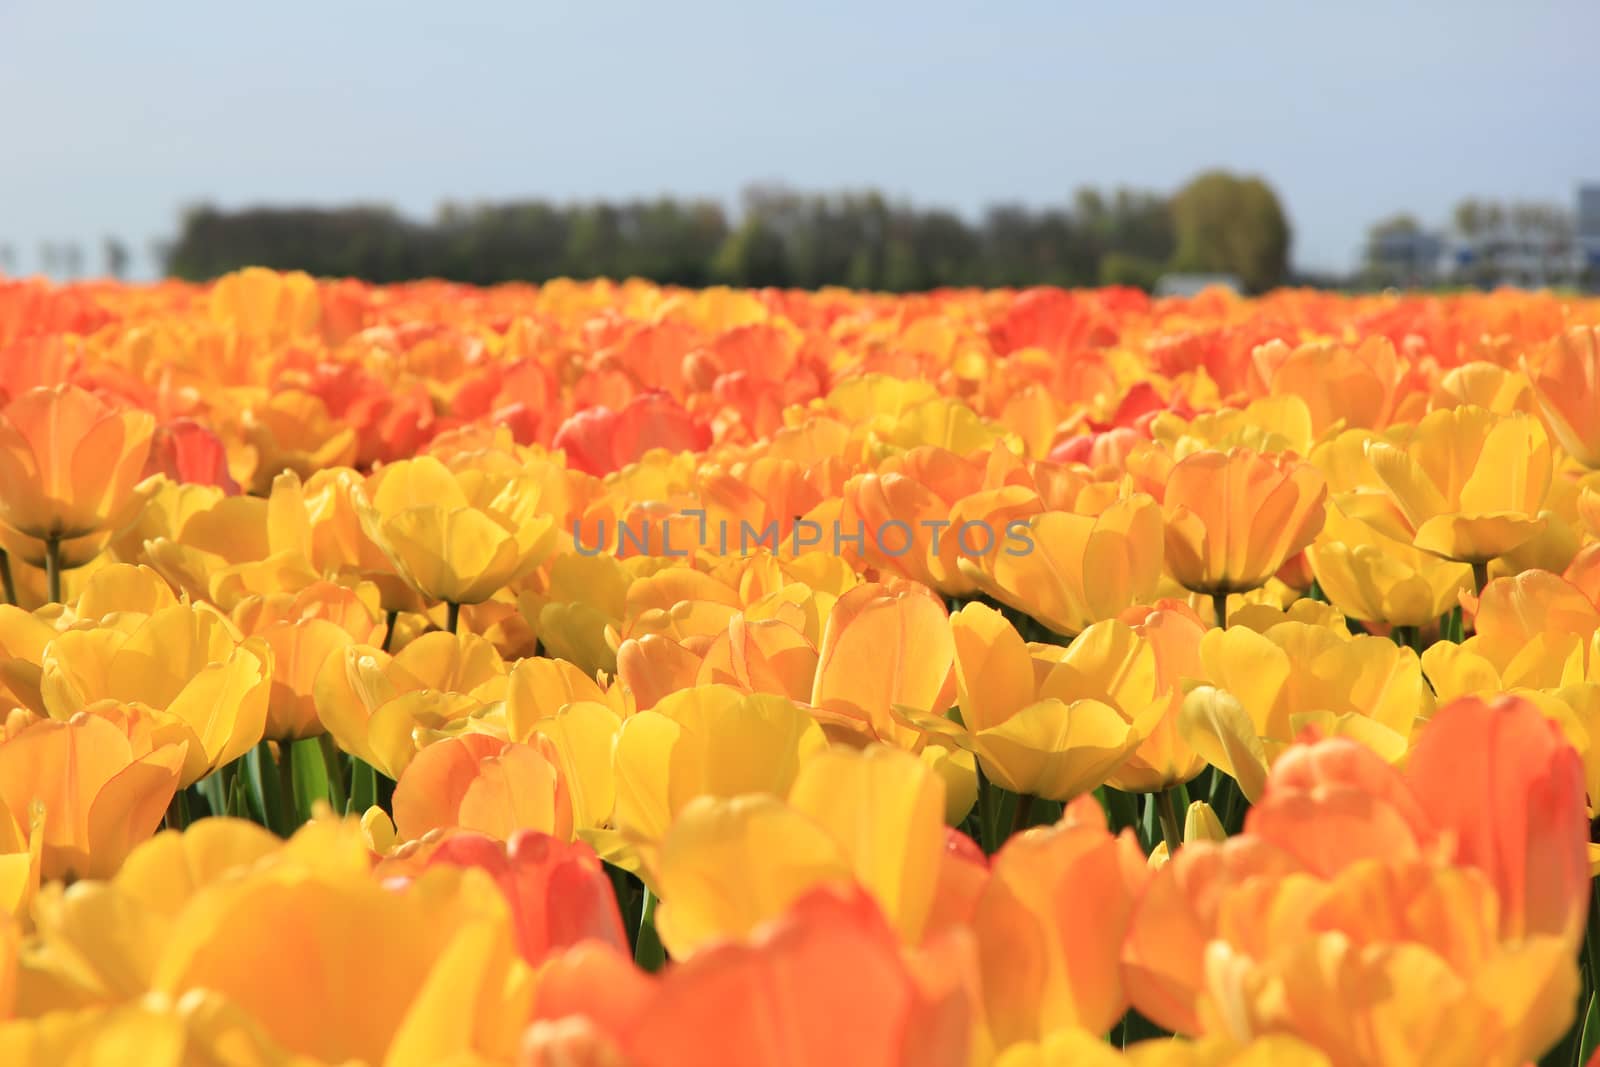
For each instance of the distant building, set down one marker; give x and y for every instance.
(1552, 248)
(1408, 258)
(1586, 233)
(1525, 245)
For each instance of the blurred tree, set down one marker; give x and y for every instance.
(1119, 268)
(785, 237)
(116, 258)
(1225, 223)
(753, 255)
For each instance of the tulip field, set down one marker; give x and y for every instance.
(608, 675)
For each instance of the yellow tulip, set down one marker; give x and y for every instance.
(898, 623)
(23, 639)
(539, 689)
(1377, 579)
(707, 741)
(449, 987)
(455, 537)
(318, 520)
(186, 664)
(729, 864)
(1079, 1048)
(1262, 689)
(1049, 722)
(1164, 759)
(292, 431)
(1466, 484)
(1535, 630)
(874, 816)
(1076, 570)
(268, 304)
(886, 809)
(582, 605)
(379, 707)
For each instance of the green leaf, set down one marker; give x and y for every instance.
(1591, 1029)
(310, 777)
(363, 787)
(649, 954)
(262, 774)
(1135, 1028)
(1122, 809)
(239, 800)
(214, 788)
(1451, 626)
(1150, 826)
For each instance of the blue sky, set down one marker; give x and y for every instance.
(114, 115)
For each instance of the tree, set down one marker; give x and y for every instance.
(117, 258)
(1230, 224)
(1119, 268)
(753, 255)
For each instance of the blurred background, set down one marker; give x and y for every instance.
(897, 146)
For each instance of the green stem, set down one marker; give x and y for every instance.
(622, 884)
(334, 766)
(286, 792)
(1480, 576)
(1019, 820)
(388, 629)
(6, 580)
(986, 825)
(1171, 829)
(52, 568)
(452, 616)
(1219, 604)
(178, 810)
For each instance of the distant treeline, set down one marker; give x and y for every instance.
(781, 238)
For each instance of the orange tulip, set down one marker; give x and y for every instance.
(832, 958)
(1233, 518)
(70, 467)
(105, 780)
(477, 782)
(1414, 904)
(1178, 916)
(1565, 373)
(1051, 923)
(1521, 821)
(558, 891)
(303, 630)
